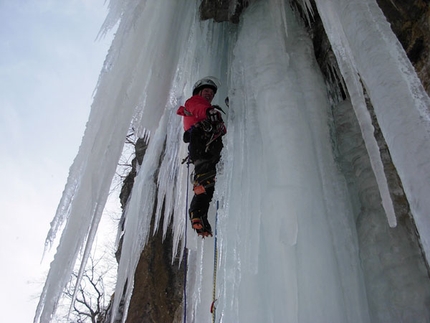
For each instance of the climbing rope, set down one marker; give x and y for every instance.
(213, 307)
(185, 244)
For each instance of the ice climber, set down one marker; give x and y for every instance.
(204, 128)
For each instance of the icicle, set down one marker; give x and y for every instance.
(307, 9)
(277, 7)
(167, 174)
(347, 66)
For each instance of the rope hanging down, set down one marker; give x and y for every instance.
(213, 307)
(185, 244)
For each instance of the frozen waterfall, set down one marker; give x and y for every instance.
(288, 242)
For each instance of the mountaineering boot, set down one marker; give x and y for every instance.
(197, 224)
(203, 229)
(202, 226)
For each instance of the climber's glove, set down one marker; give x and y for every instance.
(213, 116)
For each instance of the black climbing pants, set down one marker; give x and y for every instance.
(205, 159)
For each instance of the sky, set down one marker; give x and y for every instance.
(50, 59)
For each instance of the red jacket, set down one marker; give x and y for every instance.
(194, 110)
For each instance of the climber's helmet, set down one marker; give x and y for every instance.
(206, 82)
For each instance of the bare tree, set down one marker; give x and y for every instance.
(92, 297)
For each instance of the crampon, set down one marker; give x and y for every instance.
(200, 228)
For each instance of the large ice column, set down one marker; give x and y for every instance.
(289, 252)
(368, 46)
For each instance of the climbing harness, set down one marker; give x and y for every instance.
(214, 299)
(213, 137)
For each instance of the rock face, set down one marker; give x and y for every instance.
(158, 286)
(222, 10)
(410, 21)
